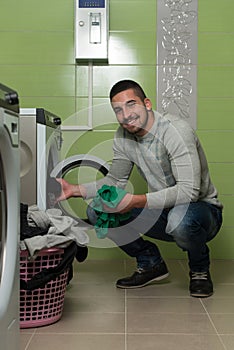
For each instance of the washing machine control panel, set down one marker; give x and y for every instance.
(47, 118)
(9, 98)
(12, 98)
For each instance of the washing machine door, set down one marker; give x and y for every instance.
(9, 231)
(78, 169)
(3, 214)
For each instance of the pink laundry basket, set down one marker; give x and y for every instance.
(42, 306)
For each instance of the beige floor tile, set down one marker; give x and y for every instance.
(228, 341)
(164, 305)
(87, 322)
(24, 340)
(97, 271)
(174, 341)
(77, 341)
(165, 288)
(224, 323)
(97, 304)
(219, 305)
(176, 268)
(93, 290)
(169, 323)
(223, 290)
(160, 316)
(29, 331)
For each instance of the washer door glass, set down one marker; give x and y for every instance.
(3, 214)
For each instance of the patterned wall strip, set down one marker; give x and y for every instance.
(177, 58)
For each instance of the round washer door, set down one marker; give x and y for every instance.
(3, 214)
(79, 169)
(9, 211)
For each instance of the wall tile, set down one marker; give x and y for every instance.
(215, 16)
(222, 246)
(132, 47)
(40, 80)
(218, 145)
(61, 106)
(79, 117)
(133, 15)
(216, 81)
(102, 112)
(222, 175)
(145, 75)
(216, 48)
(228, 204)
(103, 115)
(82, 79)
(170, 250)
(36, 48)
(37, 15)
(98, 144)
(215, 113)
(110, 74)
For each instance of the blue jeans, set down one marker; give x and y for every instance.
(190, 226)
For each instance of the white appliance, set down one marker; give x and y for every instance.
(91, 29)
(9, 219)
(40, 145)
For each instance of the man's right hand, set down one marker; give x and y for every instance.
(69, 190)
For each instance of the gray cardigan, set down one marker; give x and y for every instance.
(169, 157)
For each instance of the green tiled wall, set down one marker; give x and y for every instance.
(215, 98)
(37, 59)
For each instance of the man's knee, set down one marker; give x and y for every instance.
(178, 220)
(181, 227)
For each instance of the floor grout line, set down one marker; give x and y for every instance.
(213, 325)
(29, 341)
(127, 303)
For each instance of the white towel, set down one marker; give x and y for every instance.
(62, 230)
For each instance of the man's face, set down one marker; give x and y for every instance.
(131, 112)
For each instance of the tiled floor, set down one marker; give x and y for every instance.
(162, 316)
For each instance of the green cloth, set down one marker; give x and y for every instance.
(111, 196)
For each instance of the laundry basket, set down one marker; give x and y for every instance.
(42, 306)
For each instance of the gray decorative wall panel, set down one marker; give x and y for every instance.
(177, 58)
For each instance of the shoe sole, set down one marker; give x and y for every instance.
(201, 295)
(144, 284)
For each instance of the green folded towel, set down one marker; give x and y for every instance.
(111, 196)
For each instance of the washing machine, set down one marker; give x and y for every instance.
(9, 219)
(79, 168)
(40, 151)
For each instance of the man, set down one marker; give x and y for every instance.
(181, 204)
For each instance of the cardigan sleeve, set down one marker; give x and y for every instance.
(181, 144)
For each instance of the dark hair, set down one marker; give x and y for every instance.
(123, 85)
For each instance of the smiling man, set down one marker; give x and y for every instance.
(181, 204)
(133, 111)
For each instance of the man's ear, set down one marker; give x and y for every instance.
(148, 104)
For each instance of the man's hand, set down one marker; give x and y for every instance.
(69, 190)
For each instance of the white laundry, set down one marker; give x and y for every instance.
(62, 230)
(37, 217)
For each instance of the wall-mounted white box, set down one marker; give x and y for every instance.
(91, 30)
